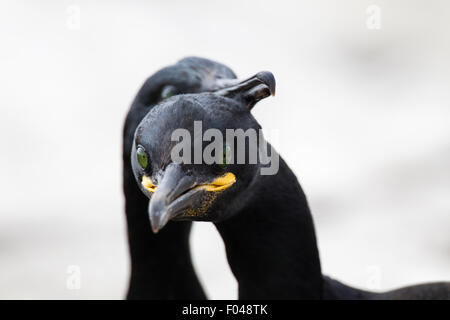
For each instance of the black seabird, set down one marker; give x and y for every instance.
(161, 265)
(264, 220)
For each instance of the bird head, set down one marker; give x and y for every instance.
(193, 154)
(189, 75)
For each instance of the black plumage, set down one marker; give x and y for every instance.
(161, 265)
(264, 220)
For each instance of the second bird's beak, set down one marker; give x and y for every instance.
(250, 90)
(177, 192)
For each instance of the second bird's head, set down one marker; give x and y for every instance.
(193, 155)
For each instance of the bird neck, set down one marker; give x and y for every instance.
(161, 266)
(271, 243)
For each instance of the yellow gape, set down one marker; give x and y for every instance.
(147, 184)
(220, 183)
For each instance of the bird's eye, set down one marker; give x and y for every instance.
(168, 91)
(142, 157)
(226, 156)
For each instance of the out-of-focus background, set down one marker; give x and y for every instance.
(362, 110)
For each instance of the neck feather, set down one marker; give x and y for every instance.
(271, 243)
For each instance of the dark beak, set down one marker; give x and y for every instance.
(250, 90)
(175, 193)
(178, 192)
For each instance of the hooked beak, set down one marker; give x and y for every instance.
(250, 90)
(178, 192)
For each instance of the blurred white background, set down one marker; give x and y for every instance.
(363, 116)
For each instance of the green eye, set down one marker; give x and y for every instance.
(167, 92)
(142, 157)
(168, 95)
(226, 156)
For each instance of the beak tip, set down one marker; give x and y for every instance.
(268, 78)
(158, 221)
(156, 226)
(155, 230)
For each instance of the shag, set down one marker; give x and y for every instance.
(264, 220)
(161, 265)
